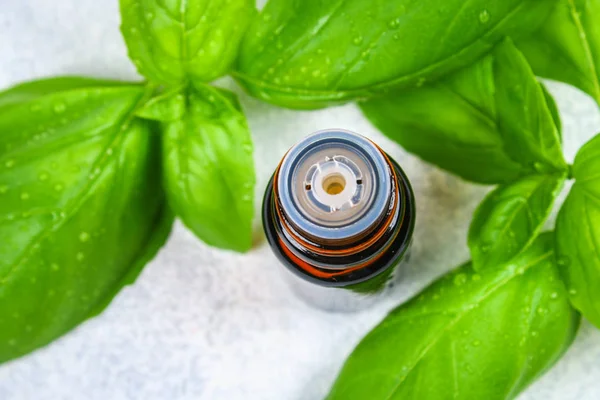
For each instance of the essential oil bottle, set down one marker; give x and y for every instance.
(339, 213)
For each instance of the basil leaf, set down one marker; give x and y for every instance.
(467, 124)
(510, 218)
(578, 234)
(81, 209)
(27, 91)
(172, 41)
(567, 46)
(166, 106)
(467, 336)
(314, 53)
(524, 119)
(551, 103)
(209, 169)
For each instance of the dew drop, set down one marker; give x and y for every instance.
(80, 256)
(476, 343)
(573, 292)
(394, 23)
(43, 176)
(357, 40)
(484, 17)
(84, 237)
(9, 163)
(149, 15)
(460, 279)
(3, 189)
(12, 342)
(58, 187)
(563, 261)
(24, 196)
(554, 295)
(109, 151)
(59, 108)
(54, 267)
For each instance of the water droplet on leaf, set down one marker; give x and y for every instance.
(59, 108)
(563, 261)
(460, 279)
(484, 16)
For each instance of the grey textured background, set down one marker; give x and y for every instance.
(208, 324)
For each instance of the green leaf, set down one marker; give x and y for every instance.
(468, 336)
(81, 207)
(209, 169)
(510, 218)
(526, 124)
(172, 41)
(578, 234)
(551, 103)
(567, 46)
(466, 123)
(31, 90)
(166, 106)
(314, 53)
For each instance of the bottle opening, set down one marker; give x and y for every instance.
(334, 184)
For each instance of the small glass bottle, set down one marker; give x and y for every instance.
(339, 213)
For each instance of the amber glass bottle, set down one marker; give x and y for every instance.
(339, 213)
